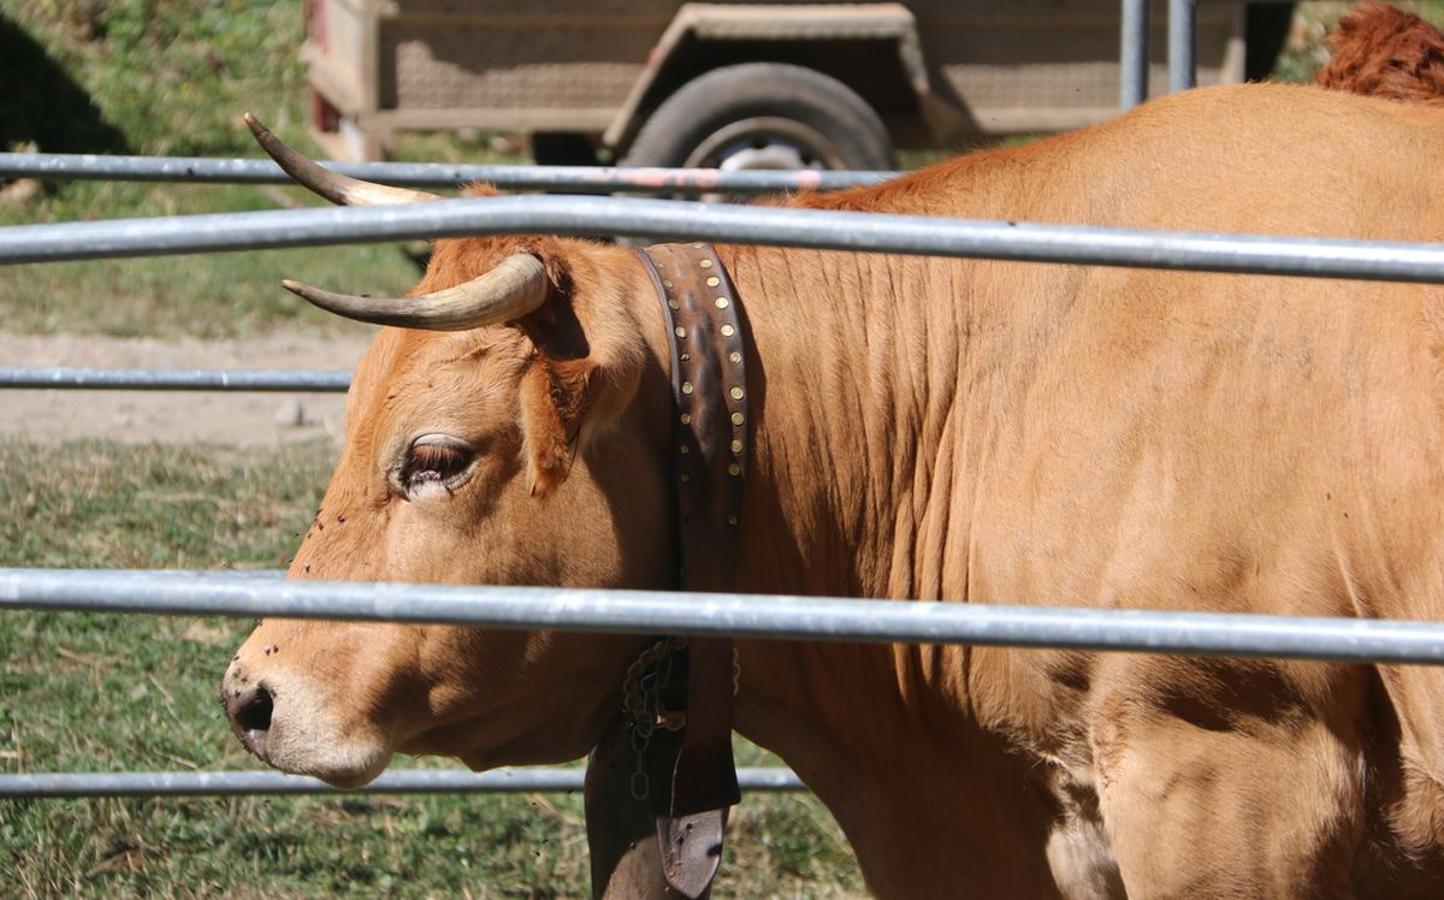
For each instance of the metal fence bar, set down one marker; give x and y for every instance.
(771, 617)
(401, 781)
(1182, 44)
(680, 220)
(65, 378)
(1133, 54)
(581, 179)
(218, 574)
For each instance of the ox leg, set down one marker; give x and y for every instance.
(1203, 804)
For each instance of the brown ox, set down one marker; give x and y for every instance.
(943, 430)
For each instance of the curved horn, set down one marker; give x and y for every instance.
(517, 286)
(340, 189)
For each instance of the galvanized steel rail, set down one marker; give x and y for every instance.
(580, 179)
(86, 379)
(191, 574)
(765, 616)
(1182, 44)
(399, 781)
(682, 220)
(1133, 54)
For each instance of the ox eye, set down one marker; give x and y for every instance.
(434, 460)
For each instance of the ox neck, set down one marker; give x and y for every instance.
(855, 379)
(856, 375)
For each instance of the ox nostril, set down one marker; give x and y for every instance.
(252, 710)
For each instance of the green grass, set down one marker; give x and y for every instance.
(170, 77)
(113, 693)
(219, 295)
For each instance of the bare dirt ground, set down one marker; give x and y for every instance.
(239, 418)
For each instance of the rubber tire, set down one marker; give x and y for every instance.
(730, 94)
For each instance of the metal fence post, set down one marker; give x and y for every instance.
(1133, 54)
(1182, 44)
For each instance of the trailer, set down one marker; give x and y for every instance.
(741, 85)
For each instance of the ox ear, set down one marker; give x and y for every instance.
(577, 386)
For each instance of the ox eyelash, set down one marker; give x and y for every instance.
(433, 459)
(427, 458)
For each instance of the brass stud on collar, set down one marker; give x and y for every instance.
(682, 291)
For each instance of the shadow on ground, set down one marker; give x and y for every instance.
(41, 104)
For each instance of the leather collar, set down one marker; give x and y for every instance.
(710, 406)
(710, 425)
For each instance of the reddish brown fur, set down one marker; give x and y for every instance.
(571, 382)
(1380, 51)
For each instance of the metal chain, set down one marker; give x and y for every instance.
(736, 672)
(647, 677)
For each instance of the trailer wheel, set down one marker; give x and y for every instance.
(763, 116)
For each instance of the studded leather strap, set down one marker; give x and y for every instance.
(709, 390)
(710, 397)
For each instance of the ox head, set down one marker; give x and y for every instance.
(502, 434)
